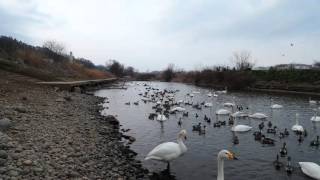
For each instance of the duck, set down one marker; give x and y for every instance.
(277, 164)
(196, 127)
(222, 155)
(297, 127)
(235, 140)
(289, 167)
(283, 150)
(310, 169)
(180, 122)
(300, 139)
(265, 140)
(127, 103)
(272, 130)
(257, 135)
(202, 130)
(217, 124)
(315, 142)
(169, 151)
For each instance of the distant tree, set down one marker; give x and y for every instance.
(54, 46)
(115, 67)
(129, 71)
(168, 73)
(242, 60)
(316, 64)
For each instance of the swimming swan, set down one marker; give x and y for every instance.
(297, 126)
(310, 169)
(169, 151)
(223, 154)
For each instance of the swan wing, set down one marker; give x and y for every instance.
(165, 152)
(311, 169)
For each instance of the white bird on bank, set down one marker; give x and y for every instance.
(209, 94)
(258, 116)
(297, 126)
(222, 155)
(169, 151)
(310, 169)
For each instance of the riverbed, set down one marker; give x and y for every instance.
(200, 161)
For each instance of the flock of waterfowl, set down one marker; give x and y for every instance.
(165, 104)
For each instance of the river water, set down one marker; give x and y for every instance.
(200, 161)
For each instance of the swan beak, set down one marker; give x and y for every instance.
(231, 156)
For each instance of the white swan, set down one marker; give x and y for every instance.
(239, 114)
(208, 104)
(275, 106)
(229, 104)
(223, 112)
(240, 127)
(180, 109)
(222, 155)
(315, 118)
(209, 94)
(297, 126)
(215, 95)
(161, 117)
(258, 116)
(169, 151)
(310, 169)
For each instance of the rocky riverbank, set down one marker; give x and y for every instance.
(51, 134)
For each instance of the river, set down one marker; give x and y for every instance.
(200, 161)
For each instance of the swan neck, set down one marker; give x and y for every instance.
(183, 147)
(220, 169)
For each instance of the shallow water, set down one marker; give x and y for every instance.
(255, 159)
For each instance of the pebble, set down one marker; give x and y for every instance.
(3, 154)
(27, 162)
(5, 124)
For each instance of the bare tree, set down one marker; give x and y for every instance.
(55, 46)
(242, 60)
(168, 74)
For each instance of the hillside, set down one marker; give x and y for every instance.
(44, 64)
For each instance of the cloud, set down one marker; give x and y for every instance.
(149, 34)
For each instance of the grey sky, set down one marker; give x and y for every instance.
(149, 34)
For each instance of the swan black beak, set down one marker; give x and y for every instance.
(235, 158)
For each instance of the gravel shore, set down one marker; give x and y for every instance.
(50, 134)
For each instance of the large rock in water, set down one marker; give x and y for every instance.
(5, 124)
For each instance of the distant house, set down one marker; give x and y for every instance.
(261, 68)
(292, 66)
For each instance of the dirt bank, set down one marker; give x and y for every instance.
(48, 134)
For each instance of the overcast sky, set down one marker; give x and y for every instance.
(149, 34)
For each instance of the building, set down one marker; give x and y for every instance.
(292, 66)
